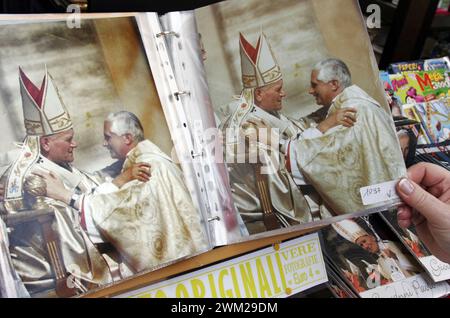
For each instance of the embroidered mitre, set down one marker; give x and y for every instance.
(258, 64)
(43, 109)
(350, 230)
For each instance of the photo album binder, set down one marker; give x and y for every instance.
(131, 141)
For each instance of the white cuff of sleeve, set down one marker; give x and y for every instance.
(91, 229)
(296, 174)
(311, 133)
(106, 187)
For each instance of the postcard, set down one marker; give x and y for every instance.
(369, 256)
(438, 270)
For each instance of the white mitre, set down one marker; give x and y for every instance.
(258, 64)
(349, 229)
(259, 68)
(43, 109)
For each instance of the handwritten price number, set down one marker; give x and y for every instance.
(372, 191)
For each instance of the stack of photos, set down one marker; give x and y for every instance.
(411, 112)
(106, 169)
(433, 117)
(437, 270)
(419, 90)
(419, 81)
(337, 286)
(420, 65)
(374, 263)
(408, 133)
(433, 134)
(419, 87)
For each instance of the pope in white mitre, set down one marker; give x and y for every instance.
(392, 264)
(258, 195)
(48, 249)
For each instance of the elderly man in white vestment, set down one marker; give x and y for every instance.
(148, 222)
(47, 253)
(342, 160)
(392, 264)
(255, 135)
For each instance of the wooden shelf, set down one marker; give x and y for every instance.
(216, 255)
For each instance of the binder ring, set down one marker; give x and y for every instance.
(216, 218)
(193, 154)
(177, 94)
(165, 33)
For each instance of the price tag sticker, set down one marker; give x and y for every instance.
(379, 193)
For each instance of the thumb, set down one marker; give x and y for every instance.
(428, 205)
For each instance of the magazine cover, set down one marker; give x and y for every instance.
(392, 99)
(419, 87)
(435, 119)
(306, 129)
(438, 271)
(374, 262)
(438, 63)
(411, 112)
(420, 65)
(91, 189)
(411, 66)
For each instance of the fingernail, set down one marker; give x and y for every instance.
(406, 187)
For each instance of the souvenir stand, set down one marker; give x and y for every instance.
(302, 216)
